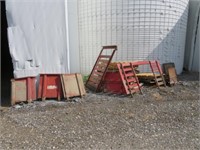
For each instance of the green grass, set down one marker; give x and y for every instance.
(85, 78)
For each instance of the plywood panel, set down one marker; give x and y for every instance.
(72, 85)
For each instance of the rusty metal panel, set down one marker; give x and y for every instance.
(166, 66)
(72, 85)
(49, 86)
(172, 76)
(112, 83)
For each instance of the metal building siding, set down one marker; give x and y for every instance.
(142, 30)
(192, 50)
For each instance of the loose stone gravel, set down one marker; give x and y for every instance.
(166, 118)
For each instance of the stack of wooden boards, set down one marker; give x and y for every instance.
(50, 86)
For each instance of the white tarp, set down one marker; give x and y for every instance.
(37, 34)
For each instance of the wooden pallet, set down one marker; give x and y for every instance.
(97, 74)
(129, 79)
(157, 72)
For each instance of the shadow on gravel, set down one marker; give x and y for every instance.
(189, 76)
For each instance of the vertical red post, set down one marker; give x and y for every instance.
(59, 87)
(44, 87)
(29, 89)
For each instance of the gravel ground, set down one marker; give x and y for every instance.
(166, 118)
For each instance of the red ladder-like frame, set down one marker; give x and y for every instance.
(156, 69)
(97, 74)
(129, 78)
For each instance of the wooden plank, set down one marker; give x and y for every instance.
(92, 84)
(81, 84)
(101, 65)
(13, 96)
(133, 85)
(127, 69)
(63, 85)
(94, 81)
(131, 80)
(103, 61)
(104, 56)
(159, 79)
(21, 91)
(129, 75)
(72, 85)
(99, 69)
(125, 65)
(122, 79)
(110, 47)
(137, 63)
(160, 83)
(96, 78)
(97, 73)
(147, 74)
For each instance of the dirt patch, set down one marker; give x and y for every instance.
(166, 118)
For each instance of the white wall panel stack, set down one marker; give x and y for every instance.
(142, 30)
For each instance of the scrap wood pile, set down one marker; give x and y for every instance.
(125, 77)
(113, 77)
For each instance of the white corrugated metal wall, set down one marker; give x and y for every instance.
(192, 49)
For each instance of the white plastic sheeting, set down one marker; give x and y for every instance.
(142, 30)
(37, 34)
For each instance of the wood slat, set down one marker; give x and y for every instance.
(160, 83)
(126, 65)
(101, 65)
(96, 81)
(95, 73)
(133, 85)
(127, 69)
(99, 69)
(131, 80)
(110, 47)
(98, 78)
(90, 83)
(159, 79)
(103, 61)
(129, 74)
(104, 56)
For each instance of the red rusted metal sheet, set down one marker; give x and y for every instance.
(49, 86)
(72, 85)
(23, 89)
(113, 84)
